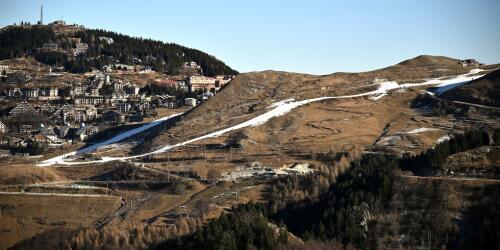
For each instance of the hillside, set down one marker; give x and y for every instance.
(104, 47)
(357, 120)
(484, 91)
(316, 156)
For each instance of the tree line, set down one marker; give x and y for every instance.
(17, 41)
(336, 208)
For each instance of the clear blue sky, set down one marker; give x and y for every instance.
(316, 37)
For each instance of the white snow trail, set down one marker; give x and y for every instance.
(277, 109)
(110, 141)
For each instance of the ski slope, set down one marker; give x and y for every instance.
(112, 140)
(275, 110)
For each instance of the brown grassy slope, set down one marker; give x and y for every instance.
(16, 174)
(249, 94)
(484, 91)
(24, 216)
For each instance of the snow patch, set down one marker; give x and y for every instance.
(420, 130)
(277, 109)
(443, 138)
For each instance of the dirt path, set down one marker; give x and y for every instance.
(433, 96)
(452, 178)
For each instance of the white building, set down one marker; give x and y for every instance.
(190, 102)
(123, 107)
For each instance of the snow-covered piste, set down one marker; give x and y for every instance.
(114, 139)
(277, 109)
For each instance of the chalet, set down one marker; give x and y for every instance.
(113, 117)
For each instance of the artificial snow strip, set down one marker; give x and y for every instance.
(277, 109)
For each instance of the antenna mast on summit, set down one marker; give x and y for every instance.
(41, 14)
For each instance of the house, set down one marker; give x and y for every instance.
(192, 65)
(190, 102)
(167, 101)
(222, 80)
(469, 63)
(113, 117)
(124, 67)
(85, 131)
(201, 83)
(62, 131)
(3, 128)
(123, 107)
(47, 137)
(22, 109)
(18, 77)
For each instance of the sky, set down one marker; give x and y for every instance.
(315, 36)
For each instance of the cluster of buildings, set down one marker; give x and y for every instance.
(65, 113)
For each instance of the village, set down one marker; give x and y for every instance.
(39, 117)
